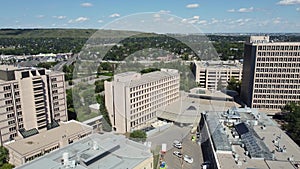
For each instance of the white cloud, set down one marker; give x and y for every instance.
(164, 11)
(214, 21)
(277, 20)
(192, 20)
(203, 22)
(40, 16)
(246, 9)
(231, 10)
(156, 15)
(78, 20)
(298, 9)
(171, 19)
(86, 4)
(196, 17)
(288, 2)
(100, 21)
(114, 15)
(60, 17)
(192, 6)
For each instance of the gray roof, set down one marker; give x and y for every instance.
(107, 151)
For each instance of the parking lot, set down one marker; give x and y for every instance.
(189, 147)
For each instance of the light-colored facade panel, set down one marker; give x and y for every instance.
(132, 99)
(26, 100)
(271, 73)
(209, 74)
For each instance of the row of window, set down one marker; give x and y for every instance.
(143, 119)
(153, 105)
(284, 65)
(278, 70)
(284, 74)
(275, 96)
(143, 86)
(278, 59)
(278, 54)
(282, 81)
(277, 86)
(153, 89)
(279, 47)
(263, 106)
(154, 95)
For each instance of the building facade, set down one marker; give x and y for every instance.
(271, 73)
(132, 99)
(30, 100)
(213, 75)
(25, 150)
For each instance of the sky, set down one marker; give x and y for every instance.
(209, 16)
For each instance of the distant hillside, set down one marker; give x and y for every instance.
(46, 33)
(61, 33)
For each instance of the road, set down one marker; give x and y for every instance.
(189, 147)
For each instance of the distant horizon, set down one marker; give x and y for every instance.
(272, 16)
(63, 28)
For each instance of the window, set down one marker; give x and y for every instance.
(5, 88)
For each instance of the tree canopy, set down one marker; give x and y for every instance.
(292, 118)
(139, 134)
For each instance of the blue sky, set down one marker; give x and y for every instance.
(209, 16)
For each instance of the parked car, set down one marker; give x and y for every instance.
(178, 154)
(177, 144)
(206, 165)
(188, 159)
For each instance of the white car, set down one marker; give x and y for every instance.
(177, 144)
(178, 154)
(188, 159)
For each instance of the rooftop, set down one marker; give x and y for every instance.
(27, 145)
(219, 64)
(135, 79)
(258, 139)
(188, 109)
(107, 151)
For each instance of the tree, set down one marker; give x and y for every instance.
(292, 119)
(139, 134)
(99, 86)
(234, 84)
(7, 166)
(3, 155)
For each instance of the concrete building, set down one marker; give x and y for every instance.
(270, 73)
(132, 99)
(106, 151)
(25, 150)
(246, 138)
(31, 100)
(211, 74)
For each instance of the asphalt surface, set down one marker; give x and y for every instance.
(189, 147)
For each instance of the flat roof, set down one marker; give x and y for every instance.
(107, 151)
(147, 77)
(264, 132)
(182, 110)
(46, 138)
(219, 64)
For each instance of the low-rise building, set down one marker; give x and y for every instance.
(24, 150)
(213, 75)
(105, 151)
(246, 138)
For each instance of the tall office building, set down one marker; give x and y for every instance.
(132, 98)
(271, 73)
(30, 100)
(209, 74)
